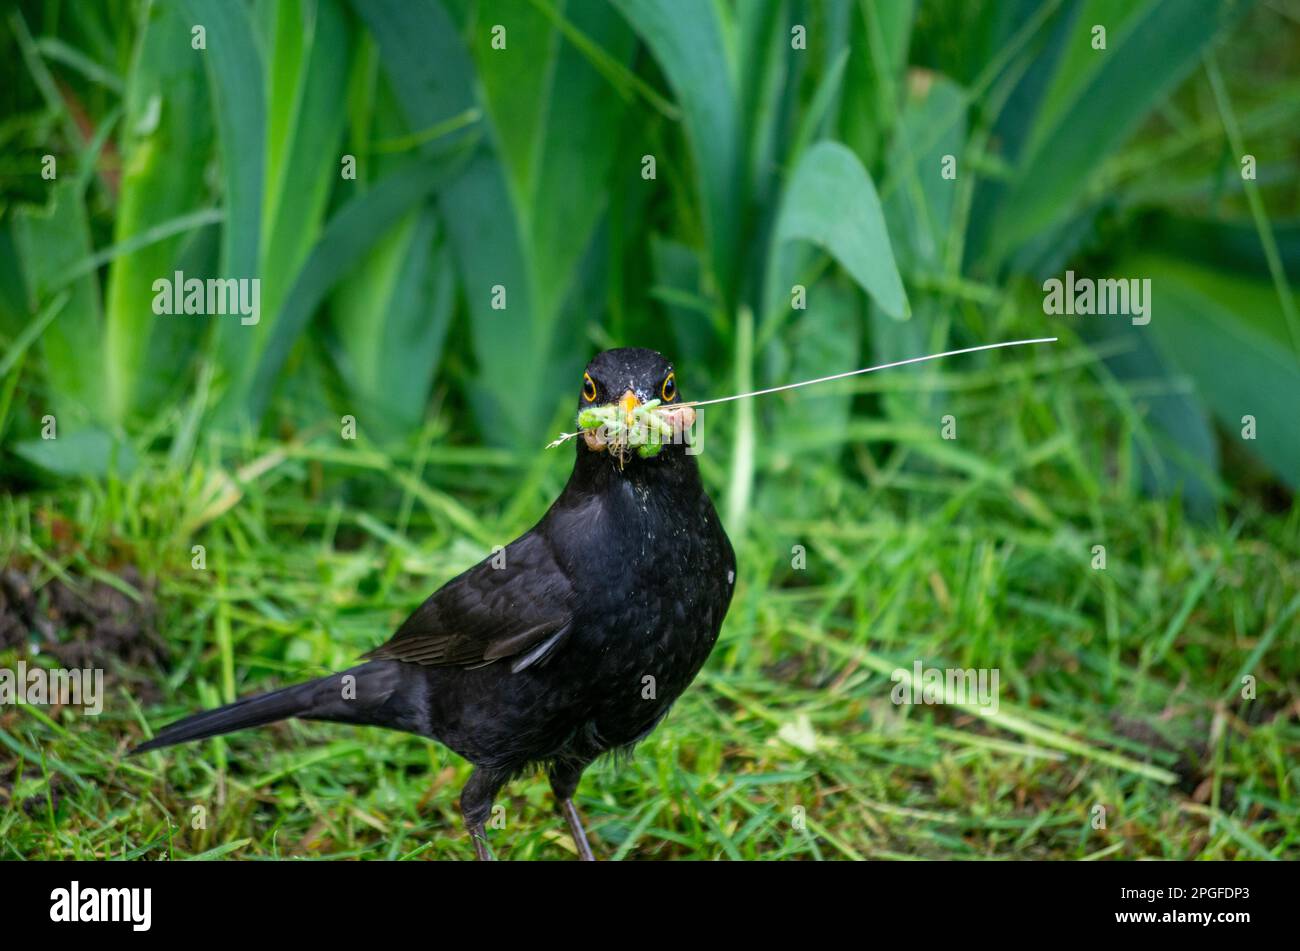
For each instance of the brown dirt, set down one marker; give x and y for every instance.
(86, 623)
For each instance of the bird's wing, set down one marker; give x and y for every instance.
(520, 609)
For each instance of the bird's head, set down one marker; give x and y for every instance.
(629, 404)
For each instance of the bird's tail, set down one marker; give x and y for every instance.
(383, 693)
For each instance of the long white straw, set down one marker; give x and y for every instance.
(883, 366)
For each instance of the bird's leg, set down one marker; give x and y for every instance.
(564, 783)
(479, 837)
(475, 806)
(576, 830)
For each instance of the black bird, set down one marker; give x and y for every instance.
(574, 645)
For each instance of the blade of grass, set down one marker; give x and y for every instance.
(1257, 212)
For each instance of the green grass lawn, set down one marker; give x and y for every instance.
(1120, 688)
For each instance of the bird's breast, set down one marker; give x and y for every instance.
(655, 574)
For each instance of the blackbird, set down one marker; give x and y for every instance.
(573, 642)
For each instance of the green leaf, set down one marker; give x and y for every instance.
(691, 43)
(511, 353)
(392, 315)
(49, 241)
(239, 104)
(919, 211)
(826, 339)
(832, 203)
(14, 307)
(86, 452)
(1079, 64)
(425, 60)
(878, 34)
(308, 72)
(768, 71)
(1228, 334)
(1091, 111)
(13, 354)
(347, 238)
(815, 116)
(235, 74)
(167, 115)
(551, 114)
(1177, 453)
(676, 269)
(510, 345)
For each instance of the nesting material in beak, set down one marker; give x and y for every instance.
(630, 424)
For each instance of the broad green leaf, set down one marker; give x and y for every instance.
(677, 290)
(575, 157)
(1079, 63)
(424, 59)
(1177, 453)
(235, 74)
(348, 236)
(493, 268)
(1228, 334)
(879, 34)
(49, 241)
(824, 339)
(816, 116)
(433, 85)
(239, 104)
(691, 42)
(919, 211)
(280, 30)
(89, 452)
(516, 88)
(768, 71)
(392, 315)
(831, 203)
(308, 71)
(1155, 46)
(1015, 121)
(14, 304)
(893, 340)
(168, 114)
(551, 112)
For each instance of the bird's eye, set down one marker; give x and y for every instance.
(588, 388)
(669, 390)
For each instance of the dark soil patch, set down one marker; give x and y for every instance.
(85, 623)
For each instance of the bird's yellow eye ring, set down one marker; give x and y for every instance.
(669, 390)
(588, 388)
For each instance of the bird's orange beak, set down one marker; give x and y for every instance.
(629, 402)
